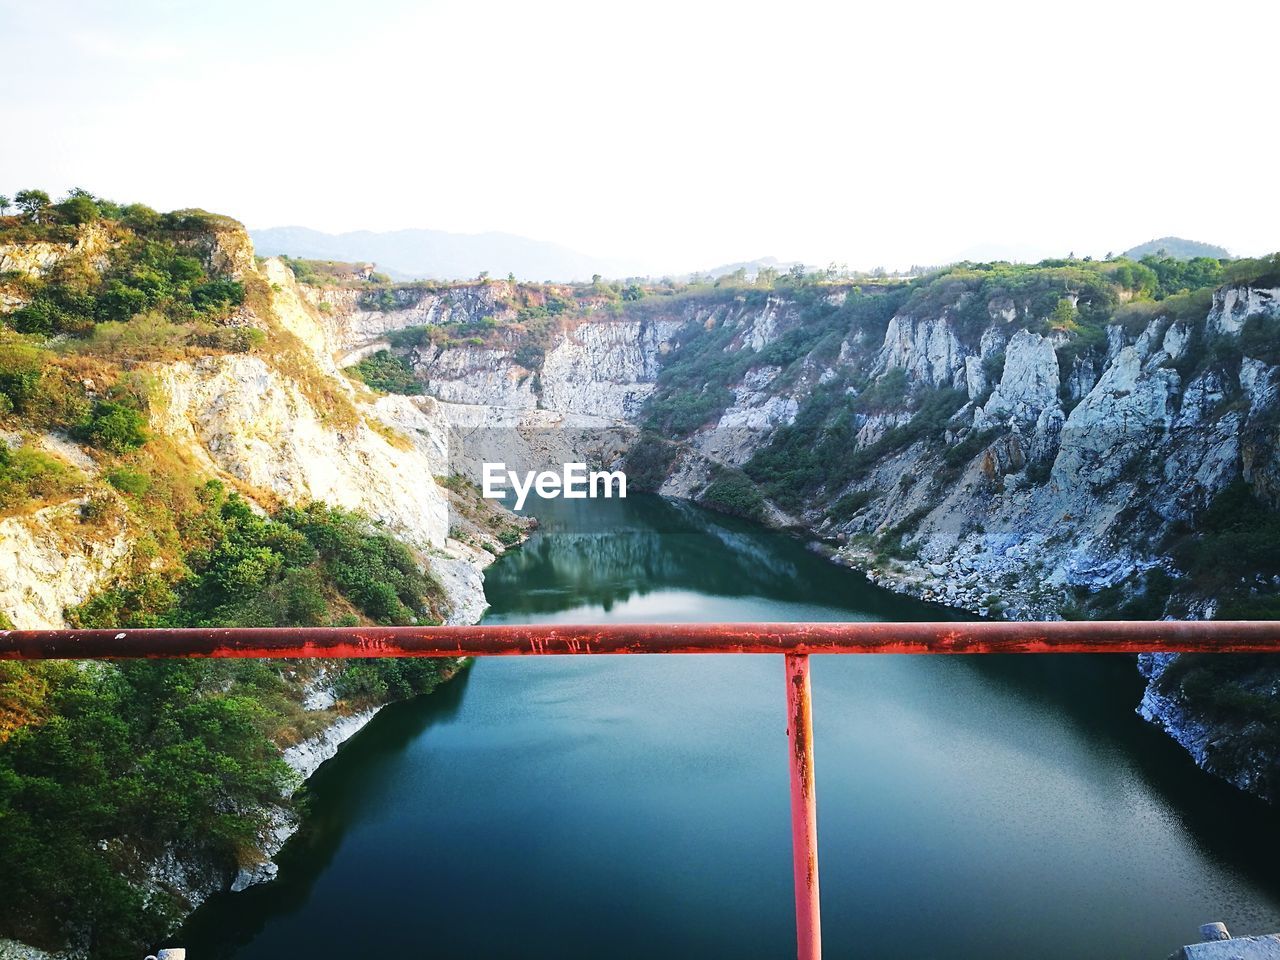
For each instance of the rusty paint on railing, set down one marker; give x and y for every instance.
(795, 640)
(804, 807)
(488, 641)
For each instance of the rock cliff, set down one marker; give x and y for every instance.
(284, 425)
(1006, 454)
(50, 560)
(280, 424)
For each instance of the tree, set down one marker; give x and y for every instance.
(138, 216)
(1064, 314)
(4, 205)
(79, 207)
(33, 203)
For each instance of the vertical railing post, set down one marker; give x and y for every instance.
(804, 814)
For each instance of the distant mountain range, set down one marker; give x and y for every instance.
(437, 254)
(750, 267)
(1178, 248)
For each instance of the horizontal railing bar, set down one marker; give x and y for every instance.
(977, 637)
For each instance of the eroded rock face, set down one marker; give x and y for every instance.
(475, 375)
(605, 367)
(1029, 384)
(38, 258)
(927, 348)
(224, 250)
(248, 421)
(1233, 305)
(757, 410)
(1221, 744)
(765, 325)
(352, 322)
(1129, 408)
(1066, 468)
(50, 560)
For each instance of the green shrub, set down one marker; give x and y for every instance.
(384, 299)
(1230, 546)
(885, 393)
(217, 295)
(233, 339)
(148, 273)
(21, 372)
(375, 571)
(412, 337)
(649, 461)
(1258, 272)
(374, 681)
(1260, 339)
(387, 372)
(79, 208)
(974, 443)
(851, 503)
(131, 759)
(733, 492)
(128, 481)
(114, 427)
(146, 336)
(27, 474)
(302, 567)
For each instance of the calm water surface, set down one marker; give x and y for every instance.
(636, 807)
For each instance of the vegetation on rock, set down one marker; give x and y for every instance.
(386, 372)
(106, 769)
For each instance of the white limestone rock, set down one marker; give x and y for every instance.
(605, 367)
(1124, 414)
(927, 348)
(49, 561)
(246, 420)
(1029, 383)
(1233, 305)
(476, 375)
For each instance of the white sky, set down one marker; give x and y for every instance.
(674, 134)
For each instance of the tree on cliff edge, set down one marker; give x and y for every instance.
(33, 203)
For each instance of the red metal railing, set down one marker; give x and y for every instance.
(796, 641)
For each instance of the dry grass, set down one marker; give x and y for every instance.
(391, 435)
(24, 693)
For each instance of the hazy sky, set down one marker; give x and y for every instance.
(673, 134)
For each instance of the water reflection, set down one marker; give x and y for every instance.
(333, 802)
(608, 556)
(632, 807)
